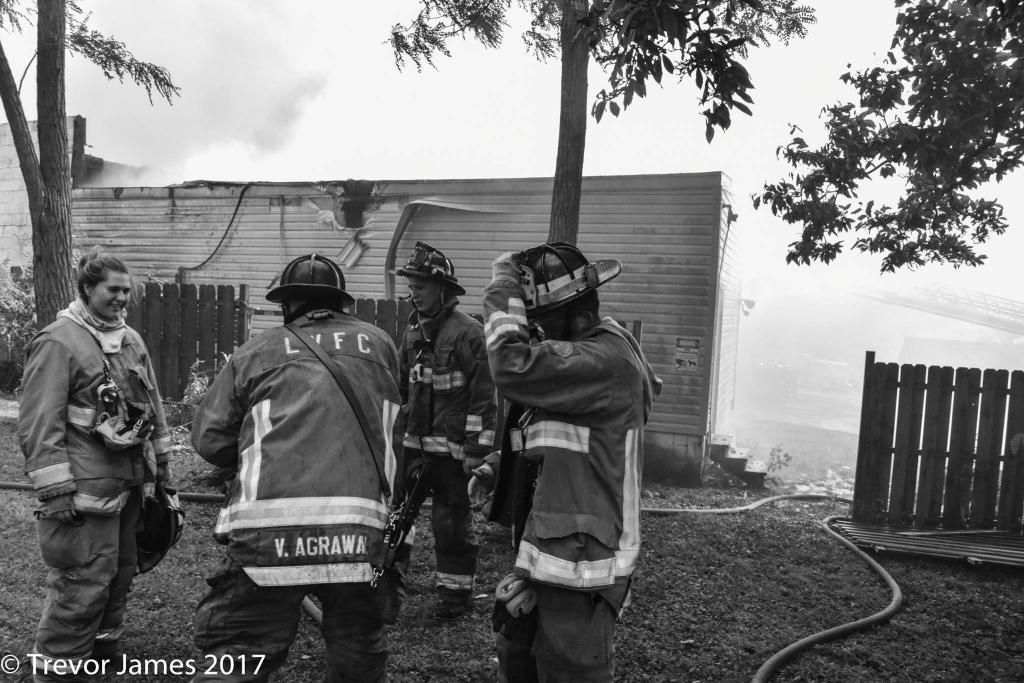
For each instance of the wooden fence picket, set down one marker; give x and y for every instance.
(936, 448)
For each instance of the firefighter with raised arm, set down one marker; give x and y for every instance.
(450, 420)
(582, 391)
(311, 506)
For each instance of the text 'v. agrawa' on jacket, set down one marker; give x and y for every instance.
(306, 505)
(64, 366)
(447, 385)
(590, 399)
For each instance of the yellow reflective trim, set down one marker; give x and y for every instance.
(474, 423)
(517, 310)
(322, 511)
(458, 582)
(486, 438)
(338, 572)
(427, 444)
(552, 434)
(252, 456)
(587, 574)
(104, 505)
(449, 380)
(81, 417)
(630, 538)
(456, 450)
(50, 475)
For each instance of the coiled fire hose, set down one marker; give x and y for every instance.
(776, 661)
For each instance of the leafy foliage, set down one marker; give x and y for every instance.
(635, 41)
(943, 114)
(17, 315)
(114, 59)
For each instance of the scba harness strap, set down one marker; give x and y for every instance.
(394, 533)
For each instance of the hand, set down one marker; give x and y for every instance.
(471, 463)
(518, 594)
(416, 469)
(505, 268)
(60, 508)
(163, 473)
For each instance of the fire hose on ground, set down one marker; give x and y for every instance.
(776, 661)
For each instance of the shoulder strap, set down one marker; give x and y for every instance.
(346, 389)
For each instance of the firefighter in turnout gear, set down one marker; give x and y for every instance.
(95, 441)
(582, 391)
(309, 507)
(450, 419)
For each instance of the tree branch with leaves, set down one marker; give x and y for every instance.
(61, 28)
(636, 42)
(943, 115)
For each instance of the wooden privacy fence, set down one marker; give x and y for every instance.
(182, 324)
(935, 447)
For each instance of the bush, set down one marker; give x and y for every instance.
(17, 322)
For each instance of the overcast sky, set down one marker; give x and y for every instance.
(309, 90)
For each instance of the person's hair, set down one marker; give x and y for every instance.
(93, 268)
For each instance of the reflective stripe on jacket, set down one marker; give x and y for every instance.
(447, 385)
(59, 406)
(306, 506)
(591, 398)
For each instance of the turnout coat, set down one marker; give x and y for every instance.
(60, 407)
(447, 385)
(584, 404)
(306, 506)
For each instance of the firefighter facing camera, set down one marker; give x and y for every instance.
(450, 420)
(580, 391)
(97, 449)
(310, 511)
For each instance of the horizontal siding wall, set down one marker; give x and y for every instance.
(662, 228)
(158, 230)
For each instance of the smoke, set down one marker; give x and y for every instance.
(243, 82)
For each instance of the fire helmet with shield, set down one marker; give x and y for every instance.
(311, 277)
(426, 261)
(557, 273)
(160, 525)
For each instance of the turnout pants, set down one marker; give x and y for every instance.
(92, 564)
(455, 543)
(249, 628)
(572, 640)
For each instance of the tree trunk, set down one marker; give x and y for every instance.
(572, 124)
(51, 230)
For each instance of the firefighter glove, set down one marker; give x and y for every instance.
(60, 508)
(519, 596)
(505, 269)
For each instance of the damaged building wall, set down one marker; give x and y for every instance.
(670, 231)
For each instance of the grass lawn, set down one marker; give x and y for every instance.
(715, 596)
